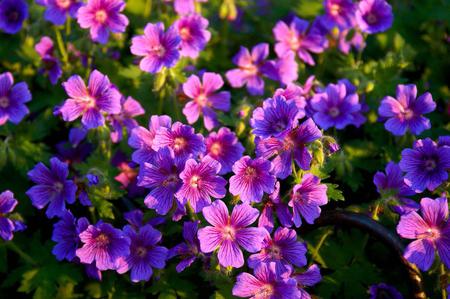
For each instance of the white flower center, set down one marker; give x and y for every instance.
(101, 16)
(4, 102)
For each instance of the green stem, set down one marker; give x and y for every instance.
(148, 8)
(315, 251)
(21, 253)
(61, 45)
(443, 274)
(68, 26)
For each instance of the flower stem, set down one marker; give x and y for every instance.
(68, 26)
(443, 277)
(61, 45)
(148, 8)
(20, 252)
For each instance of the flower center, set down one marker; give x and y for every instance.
(275, 252)
(228, 233)
(58, 187)
(215, 149)
(430, 164)
(179, 143)
(371, 18)
(266, 291)
(430, 233)
(250, 172)
(4, 102)
(288, 143)
(63, 3)
(334, 112)
(201, 99)
(158, 50)
(171, 180)
(195, 181)
(12, 16)
(185, 33)
(335, 9)
(101, 16)
(102, 239)
(408, 114)
(279, 126)
(89, 102)
(295, 41)
(141, 251)
(250, 69)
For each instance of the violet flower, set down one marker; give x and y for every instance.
(193, 34)
(7, 205)
(12, 15)
(373, 16)
(130, 108)
(188, 250)
(13, 99)
(51, 64)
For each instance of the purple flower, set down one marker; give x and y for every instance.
(284, 69)
(7, 205)
(294, 37)
(188, 250)
(52, 187)
(392, 182)
(181, 139)
(426, 165)
(159, 48)
(130, 109)
(228, 233)
(13, 99)
(406, 111)
(307, 279)
(90, 102)
(275, 118)
(340, 12)
(201, 182)
(306, 199)
(251, 179)
(292, 146)
(293, 92)
(251, 68)
(141, 139)
(66, 235)
(193, 34)
(274, 204)
(12, 15)
(444, 141)
(51, 64)
(104, 245)
(224, 147)
(204, 98)
(265, 284)
(102, 17)
(383, 290)
(284, 250)
(347, 41)
(57, 10)
(145, 254)
(373, 16)
(430, 230)
(162, 176)
(336, 107)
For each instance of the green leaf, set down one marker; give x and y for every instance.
(334, 193)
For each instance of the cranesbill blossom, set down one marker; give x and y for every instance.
(224, 147)
(229, 233)
(7, 205)
(13, 99)
(201, 182)
(252, 177)
(104, 245)
(295, 37)
(159, 48)
(381, 290)
(265, 284)
(340, 12)
(188, 250)
(161, 175)
(57, 10)
(294, 145)
(205, 98)
(193, 34)
(275, 118)
(66, 235)
(141, 139)
(430, 230)
(181, 139)
(306, 199)
(426, 165)
(145, 254)
(52, 187)
(295, 93)
(51, 64)
(102, 17)
(392, 182)
(307, 279)
(373, 16)
(284, 69)
(251, 69)
(12, 15)
(130, 108)
(283, 249)
(184, 7)
(335, 107)
(406, 111)
(275, 204)
(90, 102)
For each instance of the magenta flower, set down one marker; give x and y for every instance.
(90, 102)
(306, 199)
(205, 98)
(340, 12)
(295, 37)
(57, 10)
(274, 204)
(224, 147)
(406, 111)
(104, 245)
(52, 187)
(145, 254)
(266, 284)
(130, 108)
(51, 64)
(284, 69)
(251, 69)
(185, 7)
(159, 48)
(189, 250)
(229, 233)
(141, 139)
(7, 205)
(201, 182)
(284, 250)
(373, 16)
(251, 179)
(103, 17)
(430, 230)
(392, 182)
(13, 99)
(307, 279)
(193, 34)
(295, 93)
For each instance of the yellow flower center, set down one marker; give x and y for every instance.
(215, 149)
(101, 16)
